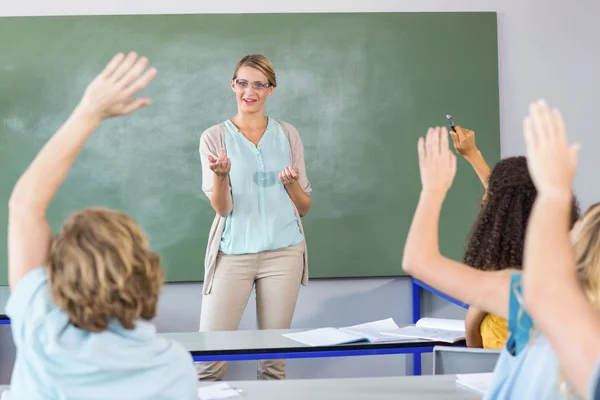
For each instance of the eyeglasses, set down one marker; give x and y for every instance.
(256, 85)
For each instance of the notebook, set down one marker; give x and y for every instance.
(477, 382)
(436, 329)
(368, 332)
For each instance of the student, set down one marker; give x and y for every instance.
(253, 172)
(497, 238)
(561, 283)
(81, 302)
(527, 367)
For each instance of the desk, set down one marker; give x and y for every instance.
(440, 387)
(271, 344)
(389, 388)
(416, 313)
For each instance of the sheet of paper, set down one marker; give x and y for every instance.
(477, 382)
(217, 391)
(442, 323)
(439, 335)
(323, 337)
(372, 330)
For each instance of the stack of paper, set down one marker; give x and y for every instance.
(369, 332)
(476, 382)
(436, 329)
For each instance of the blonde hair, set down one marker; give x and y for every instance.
(101, 269)
(259, 62)
(586, 247)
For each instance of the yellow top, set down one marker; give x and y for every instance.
(494, 331)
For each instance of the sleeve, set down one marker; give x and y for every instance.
(298, 158)
(519, 321)
(593, 392)
(28, 303)
(208, 146)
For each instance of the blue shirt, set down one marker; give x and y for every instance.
(528, 367)
(263, 216)
(56, 360)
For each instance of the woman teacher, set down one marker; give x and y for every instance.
(254, 175)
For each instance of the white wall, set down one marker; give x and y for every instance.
(547, 48)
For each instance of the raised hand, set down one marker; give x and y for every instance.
(464, 141)
(436, 161)
(289, 175)
(110, 93)
(220, 166)
(551, 160)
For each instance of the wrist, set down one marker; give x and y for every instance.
(83, 113)
(473, 155)
(555, 196)
(433, 193)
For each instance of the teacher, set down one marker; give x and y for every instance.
(253, 172)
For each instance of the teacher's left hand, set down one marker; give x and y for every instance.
(289, 175)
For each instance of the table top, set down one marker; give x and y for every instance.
(381, 388)
(439, 387)
(273, 341)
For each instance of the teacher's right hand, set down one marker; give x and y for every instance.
(221, 165)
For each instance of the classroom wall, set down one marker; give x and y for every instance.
(546, 48)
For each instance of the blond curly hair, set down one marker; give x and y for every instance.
(101, 269)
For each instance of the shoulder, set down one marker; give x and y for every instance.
(212, 133)
(288, 128)
(212, 138)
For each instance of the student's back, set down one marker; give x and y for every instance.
(82, 301)
(498, 235)
(56, 360)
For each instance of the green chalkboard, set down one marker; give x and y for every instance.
(360, 88)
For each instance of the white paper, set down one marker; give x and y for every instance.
(372, 330)
(323, 337)
(478, 382)
(441, 323)
(439, 335)
(217, 391)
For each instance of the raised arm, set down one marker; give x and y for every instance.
(464, 143)
(109, 95)
(488, 291)
(569, 320)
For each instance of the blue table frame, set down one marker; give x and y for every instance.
(4, 320)
(416, 314)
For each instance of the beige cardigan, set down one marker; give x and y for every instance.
(211, 142)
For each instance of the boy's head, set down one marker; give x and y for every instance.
(101, 269)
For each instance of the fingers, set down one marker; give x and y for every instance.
(211, 159)
(124, 67)
(444, 139)
(222, 153)
(455, 138)
(431, 148)
(559, 125)
(112, 65)
(421, 150)
(141, 82)
(134, 72)
(542, 129)
(135, 105)
(452, 163)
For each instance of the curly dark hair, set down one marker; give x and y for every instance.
(498, 236)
